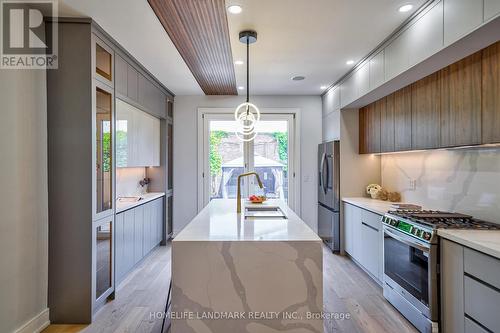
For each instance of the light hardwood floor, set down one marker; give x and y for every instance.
(347, 289)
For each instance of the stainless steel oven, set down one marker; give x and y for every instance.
(411, 271)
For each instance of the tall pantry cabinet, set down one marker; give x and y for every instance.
(81, 164)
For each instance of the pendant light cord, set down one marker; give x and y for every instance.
(248, 72)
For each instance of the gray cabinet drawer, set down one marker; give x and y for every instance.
(472, 327)
(482, 303)
(482, 266)
(372, 219)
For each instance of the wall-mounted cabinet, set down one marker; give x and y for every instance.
(491, 9)
(460, 18)
(456, 106)
(491, 94)
(369, 124)
(134, 88)
(400, 102)
(138, 137)
(438, 25)
(357, 85)
(461, 103)
(425, 112)
(377, 70)
(331, 101)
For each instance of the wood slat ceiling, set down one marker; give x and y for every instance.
(199, 30)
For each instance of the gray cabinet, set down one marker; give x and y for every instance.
(426, 35)
(371, 243)
(351, 218)
(363, 239)
(138, 231)
(377, 74)
(420, 40)
(460, 18)
(452, 287)
(119, 246)
(132, 83)
(128, 241)
(397, 56)
(470, 297)
(331, 126)
(331, 101)
(121, 68)
(357, 85)
(491, 9)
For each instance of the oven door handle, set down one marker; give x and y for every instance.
(406, 241)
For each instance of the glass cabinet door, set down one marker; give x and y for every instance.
(104, 150)
(104, 258)
(103, 62)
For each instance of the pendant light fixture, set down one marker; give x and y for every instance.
(247, 114)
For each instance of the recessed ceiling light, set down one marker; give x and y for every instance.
(234, 9)
(241, 87)
(298, 78)
(323, 87)
(239, 62)
(405, 8)
(350, 62)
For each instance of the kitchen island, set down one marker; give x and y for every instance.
(235, 275)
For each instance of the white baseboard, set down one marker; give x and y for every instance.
(36, 324)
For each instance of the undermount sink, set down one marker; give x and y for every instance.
(264, 212)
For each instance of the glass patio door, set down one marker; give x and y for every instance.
(270, 154)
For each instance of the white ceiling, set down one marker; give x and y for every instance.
(313, 38)
(135, 26)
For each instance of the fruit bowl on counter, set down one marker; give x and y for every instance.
(257, 199)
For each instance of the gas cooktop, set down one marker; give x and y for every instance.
(443, 220)
(422, 224)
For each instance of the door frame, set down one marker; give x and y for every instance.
(294, 156)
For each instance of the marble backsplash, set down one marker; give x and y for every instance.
(457, 180)
(127, 181)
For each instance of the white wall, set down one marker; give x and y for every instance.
(463, 180)
(186, 150)
(23, 199)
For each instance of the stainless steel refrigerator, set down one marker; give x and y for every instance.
(329, 194)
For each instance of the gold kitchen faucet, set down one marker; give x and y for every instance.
(238, 197)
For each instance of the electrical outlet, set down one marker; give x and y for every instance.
(413, 184)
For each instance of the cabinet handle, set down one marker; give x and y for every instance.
(369, 226)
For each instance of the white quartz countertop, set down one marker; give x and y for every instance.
(486, 241)
(373, 205)
(122, 206)
(218, 221)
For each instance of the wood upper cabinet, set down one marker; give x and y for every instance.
(387, 127)
(461, 102)
(401, 104)
(491, 94)
(425, 109)
(369, 124)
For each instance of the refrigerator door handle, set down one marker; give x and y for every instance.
(322, 174)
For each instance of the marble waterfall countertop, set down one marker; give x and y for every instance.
(261, 275)
(218, 221)
(373, 205)
(123, 206)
